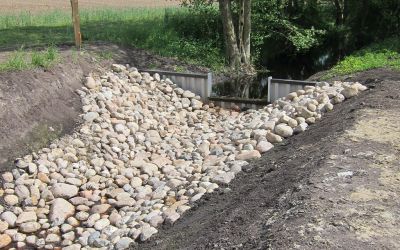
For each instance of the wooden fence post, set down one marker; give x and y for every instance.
(77, 23)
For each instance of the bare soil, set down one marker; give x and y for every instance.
(12, 6)
(38, 106)
(336, 186)
(140, 58)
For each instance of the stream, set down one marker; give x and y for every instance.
(284, 65)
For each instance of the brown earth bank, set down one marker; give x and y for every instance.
(335, 186)
(38, 106)
(141, 58)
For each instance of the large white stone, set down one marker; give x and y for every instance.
(248, 155)
(153, 136)
(264, 146)
(223, 178)
(63, 190)
(273, 138)
(147, 232)
(9, 217)
(60, 210)
(283, 130)
(29, 227)
(90, 83)
(26, 217)
(91, 116)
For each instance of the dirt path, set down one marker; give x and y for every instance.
(336, 186)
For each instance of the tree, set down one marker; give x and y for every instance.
(341, 11)
(236, 23)
(237, 39)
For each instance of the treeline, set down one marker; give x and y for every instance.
(297, 26)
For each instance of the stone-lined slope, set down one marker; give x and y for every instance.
(146, 151)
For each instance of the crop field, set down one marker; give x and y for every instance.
(13, 6)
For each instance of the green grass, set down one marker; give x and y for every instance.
(22, 59)
(382, 54)
(107, 55)
(17, 61)
(147, 28)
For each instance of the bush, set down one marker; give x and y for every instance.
(201, 23)
(197, 36)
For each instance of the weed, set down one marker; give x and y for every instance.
(17, 61)
(21, 59)
(152, 66)
(106, 55)
(178, 68)
(45, 58)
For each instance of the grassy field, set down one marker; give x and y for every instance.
(116, 25)
(154, 29)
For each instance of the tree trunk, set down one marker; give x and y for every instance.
(246, 58)
(231, 47)
(339, 5)
(240, 4)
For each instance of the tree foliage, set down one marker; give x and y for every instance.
(235, 16)
(296, 26)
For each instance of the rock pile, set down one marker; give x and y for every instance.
(146, 151)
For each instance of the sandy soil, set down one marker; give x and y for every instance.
(336, 186)
(7, 6)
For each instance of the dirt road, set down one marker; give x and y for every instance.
(336, 186)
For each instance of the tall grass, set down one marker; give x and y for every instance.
(147, 28)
